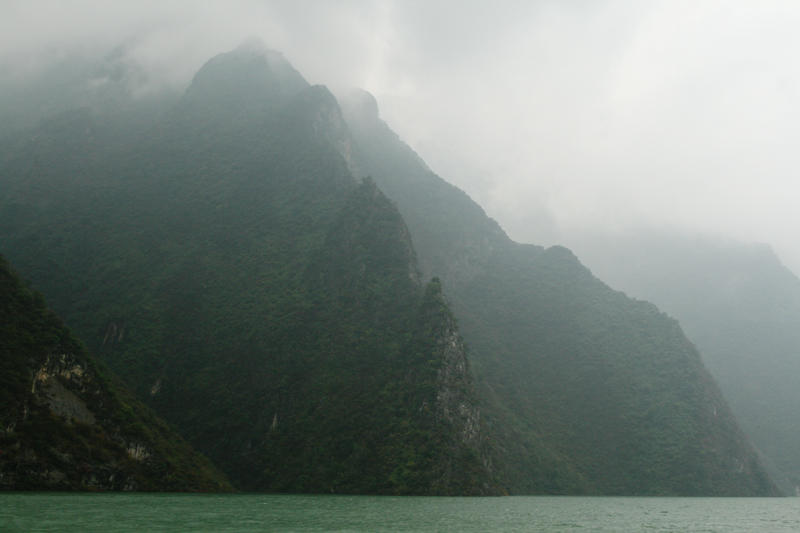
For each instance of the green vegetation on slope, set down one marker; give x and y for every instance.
(589, 391)
(362, 413)
(230, 268)
(741, 308)
(66, 423)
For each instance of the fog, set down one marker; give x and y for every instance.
(560, 118)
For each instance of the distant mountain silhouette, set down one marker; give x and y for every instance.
(741, 307)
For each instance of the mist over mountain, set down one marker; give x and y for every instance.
(115, 85)
(741, 307)
(234, 272)
(287, 282)
(551, 342)
(557, 118)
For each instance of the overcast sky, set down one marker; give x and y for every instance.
(558, 117)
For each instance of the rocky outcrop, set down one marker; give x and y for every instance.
(456, 406)
(66, 424)
(55, 385)
(328, 125)
(454, 400)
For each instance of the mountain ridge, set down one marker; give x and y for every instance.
(741, 307)
(482, 267)
(273, 312)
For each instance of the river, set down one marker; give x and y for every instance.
(244, 513)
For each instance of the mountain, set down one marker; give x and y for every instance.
(238, 267)
(741, 307)
(608, 387)
(230, 268)
(66, 423)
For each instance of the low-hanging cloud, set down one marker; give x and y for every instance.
(556, 116)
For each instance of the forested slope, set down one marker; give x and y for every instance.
(229, 267)
(741, 307)
(235, 269)
(606, 389)
(67, 423)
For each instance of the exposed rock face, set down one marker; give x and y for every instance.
(52, 386)
(67, 392)
(65, 424)
(59, 388)
(454, 399)
(328, 125)
(456, 407)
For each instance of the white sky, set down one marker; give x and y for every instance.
(558, 117)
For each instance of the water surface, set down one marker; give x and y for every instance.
(113, 513)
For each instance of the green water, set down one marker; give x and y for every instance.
(112, 513)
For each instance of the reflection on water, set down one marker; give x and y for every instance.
(112, 513)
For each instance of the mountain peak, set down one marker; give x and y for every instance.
(242, 83)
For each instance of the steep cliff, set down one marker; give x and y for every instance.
(456, 405)
(67, 424)
(379, 397)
